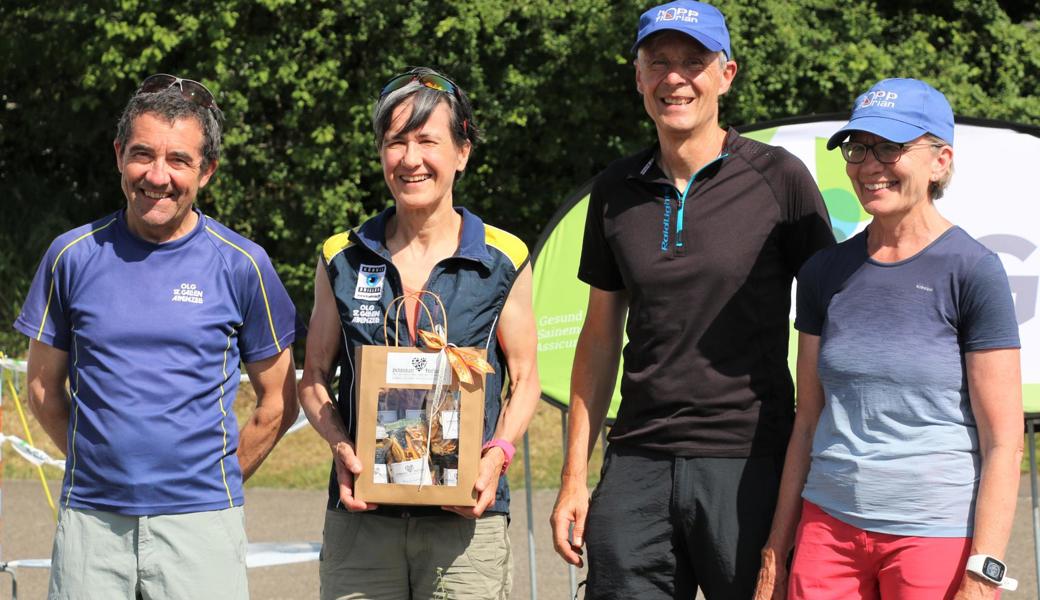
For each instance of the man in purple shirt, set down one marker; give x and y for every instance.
(146, 314)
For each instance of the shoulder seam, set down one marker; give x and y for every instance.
(260, 276)
(54, 267)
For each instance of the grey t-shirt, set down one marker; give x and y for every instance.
(896, 449)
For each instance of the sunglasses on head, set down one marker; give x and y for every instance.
(430, 80)
(191, 90)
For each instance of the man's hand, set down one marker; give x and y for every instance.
(572, 506)
(348, 465)
(486, 485)
(772, 577)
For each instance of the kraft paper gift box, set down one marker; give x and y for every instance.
(419, 426)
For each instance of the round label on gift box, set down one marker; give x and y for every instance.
(450, 477)
(411, 472)
(379, 474)
(449, 424)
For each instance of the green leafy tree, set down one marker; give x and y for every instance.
(551, 83)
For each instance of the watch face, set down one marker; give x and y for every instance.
(993, 569)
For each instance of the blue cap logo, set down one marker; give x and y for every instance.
(700, 21)
(899, 110)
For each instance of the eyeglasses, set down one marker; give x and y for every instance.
(191, 90)
(885, 152)
(430, 80)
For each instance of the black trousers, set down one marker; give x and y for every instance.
(661, 526)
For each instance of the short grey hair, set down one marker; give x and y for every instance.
(171, 106)
(424, 102)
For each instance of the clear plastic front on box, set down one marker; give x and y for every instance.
(417, 437)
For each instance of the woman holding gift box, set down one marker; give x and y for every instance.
(903, 465)
(425, 133)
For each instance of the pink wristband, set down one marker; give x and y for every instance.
(506, 447)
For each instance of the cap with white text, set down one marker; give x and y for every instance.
(700, 21)
(899, 110)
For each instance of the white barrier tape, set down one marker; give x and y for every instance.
(13, 365)
(263, 554)
(33, 455)
(19, 367)
(301, 422)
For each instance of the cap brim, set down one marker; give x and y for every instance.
(890, 129)
(711, 44)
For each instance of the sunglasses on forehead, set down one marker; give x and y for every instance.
(191, 90)
(430, 80)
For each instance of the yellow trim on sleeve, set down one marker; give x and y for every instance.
(50, 291)
(507, 243)
(263, 289)
(335, 244)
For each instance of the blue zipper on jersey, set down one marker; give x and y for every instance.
(680, 214)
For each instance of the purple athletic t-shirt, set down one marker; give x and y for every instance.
(896, 448)
(155, 334)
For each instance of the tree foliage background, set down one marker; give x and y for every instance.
(551, 82)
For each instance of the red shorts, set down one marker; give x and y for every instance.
(835, 560)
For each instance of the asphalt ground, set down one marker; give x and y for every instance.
(294, 516)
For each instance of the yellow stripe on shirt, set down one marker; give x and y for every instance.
(50, 292)
(507, 243)
(263, 290)
(223, 426)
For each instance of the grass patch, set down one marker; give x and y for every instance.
(302, 459)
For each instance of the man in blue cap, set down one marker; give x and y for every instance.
(697, 240)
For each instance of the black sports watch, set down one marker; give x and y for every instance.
(991, 569)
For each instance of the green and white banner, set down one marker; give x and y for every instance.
(993, 196)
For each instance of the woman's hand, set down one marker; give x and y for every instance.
(974, 588)
(486, 485)
(348, 465)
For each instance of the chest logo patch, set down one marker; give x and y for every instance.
(366, 314)
(188, 292)
(370, 282)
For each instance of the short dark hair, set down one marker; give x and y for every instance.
(424, 102)
(171, 106)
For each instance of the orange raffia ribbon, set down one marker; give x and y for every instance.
(462, 361)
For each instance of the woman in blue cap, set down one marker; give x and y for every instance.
(902, 470)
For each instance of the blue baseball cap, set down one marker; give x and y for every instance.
(899, 110)
(700, 21)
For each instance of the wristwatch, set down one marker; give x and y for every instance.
(991, 569)
(508, 449)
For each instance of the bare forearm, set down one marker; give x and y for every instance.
(51, 410)
(523, 401)
(259, 436)
(46, 374)
(997, 495)
(320, 409)
(592, 389)
(593, 376)
(789, 499)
